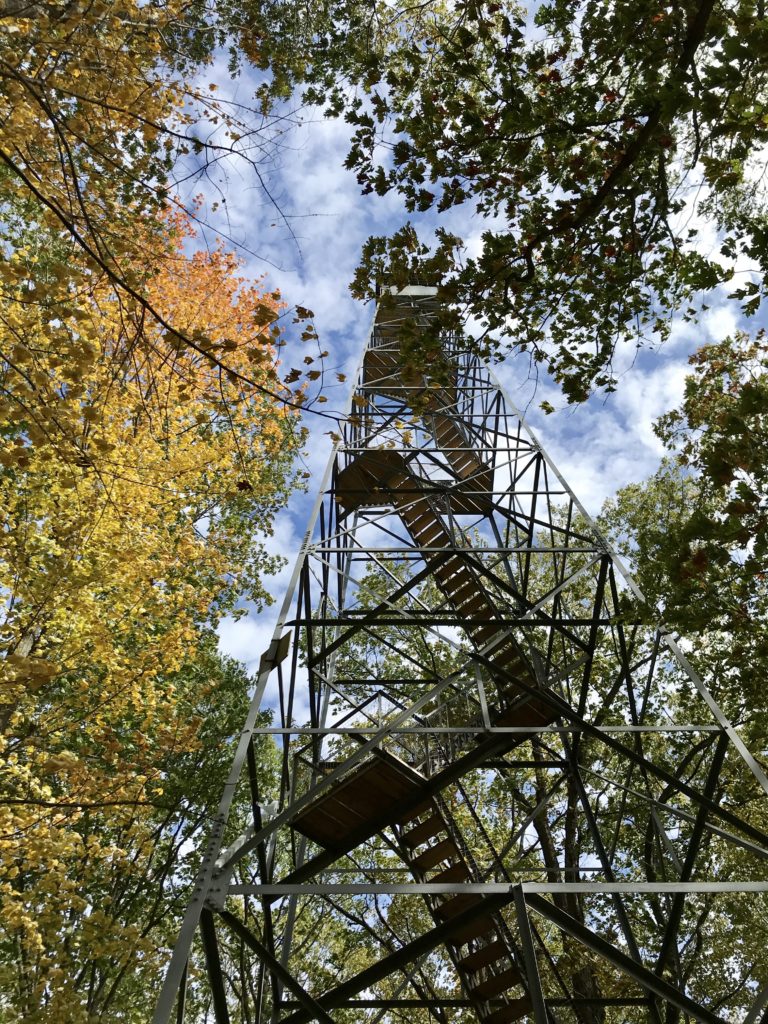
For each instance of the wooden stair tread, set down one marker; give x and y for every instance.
(473, 606)
(457, 904)
(532, 713)
(497, 983)
(429, 534)
(416, 812)
(482, 925)
(425, 830)
(435, 854)
(483, 634)
(516, 1009)
(455, 873)
(463, 587)
(417, 520)
(509, 659)
(449, 568)
(485, 956)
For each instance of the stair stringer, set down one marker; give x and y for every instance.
(483, 955)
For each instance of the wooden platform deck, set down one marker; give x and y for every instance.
(382, 477)
(382, 790)
(378, 787)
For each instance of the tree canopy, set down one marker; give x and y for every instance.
(695, 532)
(106, 124)
(139, 484)
(146, 443)
(595, 140)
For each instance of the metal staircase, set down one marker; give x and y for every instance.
(482, 954)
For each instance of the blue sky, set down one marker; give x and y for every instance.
(309, 249)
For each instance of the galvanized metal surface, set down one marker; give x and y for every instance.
(442, 521)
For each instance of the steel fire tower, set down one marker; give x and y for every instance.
(498, 793)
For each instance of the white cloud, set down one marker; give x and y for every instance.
(720, 322)
(246, 639)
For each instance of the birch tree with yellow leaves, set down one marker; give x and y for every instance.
(145, 444)
(138, 481)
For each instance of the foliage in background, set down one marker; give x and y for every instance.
(104, 121)
(138, 484)
(145, 447)
(696, 531)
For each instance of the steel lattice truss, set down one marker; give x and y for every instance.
(499, 794)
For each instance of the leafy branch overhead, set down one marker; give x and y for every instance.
(105, 126)
(583, 137)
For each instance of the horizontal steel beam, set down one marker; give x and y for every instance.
(414, 1004)
(331, 730)
(415, 553)
(417, 617)
(278, 889)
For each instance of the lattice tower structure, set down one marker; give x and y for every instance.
(500, 792)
